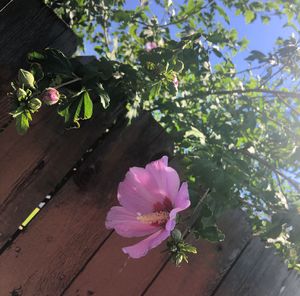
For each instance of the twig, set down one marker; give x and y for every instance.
(68, 82)
(253, 90)
(196, 211)
(272, 168)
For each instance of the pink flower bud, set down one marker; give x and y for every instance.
(150, 45)
(50, 96)
(175, 82)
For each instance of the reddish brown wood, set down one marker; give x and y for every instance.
(26, 26)
(125, 276)
(204, 272)
(111, 272)
(35, 163)
(70, 229)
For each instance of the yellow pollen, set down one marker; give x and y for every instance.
(154, 218)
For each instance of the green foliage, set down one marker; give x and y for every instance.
(236, 130)
(82, 84)
(26, 79)
(79, 107)
(179, 249)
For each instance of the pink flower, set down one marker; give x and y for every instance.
(150, 45)
(50, 96)
(175, 82)
(150, 198)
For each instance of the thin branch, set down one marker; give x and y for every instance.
(272, 168)
(252, 90)
(196, 211)
(281, 189)
(278, 123)
(68, 82)
(272, 76)
(246, 70)
(288, 105)
(106, 34)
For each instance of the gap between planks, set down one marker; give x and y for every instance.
(23, 189)
(26, 26)
(70, 229)
(44, 201)
(110, 272)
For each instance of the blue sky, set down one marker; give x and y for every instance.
(261, 36)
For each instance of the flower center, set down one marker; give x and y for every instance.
(156, 218)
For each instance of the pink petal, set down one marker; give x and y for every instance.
(139, 191)
(182, 199)
(182, 202)
(126, 224)
(166, 178)
(150, 45)
(143, 247)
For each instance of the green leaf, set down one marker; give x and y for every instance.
(17, 112)
(103, 95)
(37, 71)
(22, 123)
(265, 19)
(36, 56)
(52, 61)
(79, 108)
(256, 55)
(84, 108)
(122, 15)
(176, 235)
(34, 104)
(223, 14)
(154, 92)
(21, 94)
(249, 16)
(179, 66)
(26, 78)
(194, 132)
(217, 53)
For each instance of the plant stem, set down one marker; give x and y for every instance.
(68, 82)
(196, 211)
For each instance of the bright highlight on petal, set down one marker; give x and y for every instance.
(150, 199)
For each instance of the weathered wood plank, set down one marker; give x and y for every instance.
(111, 272)
(30, 25)
(26, 26)
(33, 164)
(204, 272)
(71, 228)
(258, 272)
(291, 285)
(5, 74)
(125, 276)
(3, 4)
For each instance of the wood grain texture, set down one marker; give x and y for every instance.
(258, 272)
(111, 272)
(291, 285)
(3, 4)
(125, 276)
(71, 228)
(26, 26)
(205, 270)
(30, 25)
(33, 164)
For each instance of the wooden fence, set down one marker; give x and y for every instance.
(66, 249)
